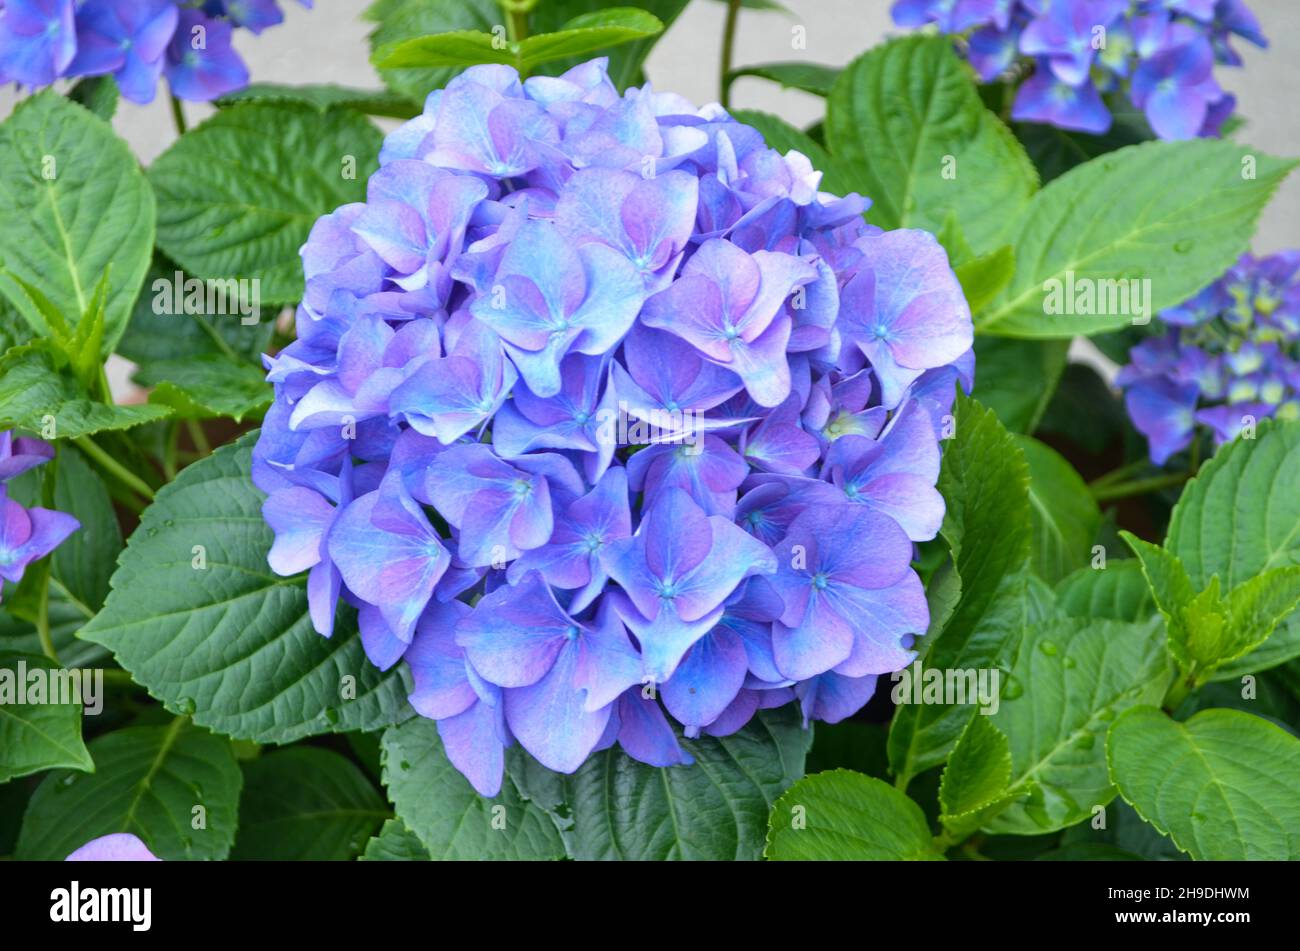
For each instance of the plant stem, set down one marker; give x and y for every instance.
(43, 617)
(114, 468)
(1124, 490)
(197, 436)
(178, 115)
(1116, 474)
(728, 51)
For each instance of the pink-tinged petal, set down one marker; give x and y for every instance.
(549, 717)
(437, 663)
(473, 743)
(514, 634)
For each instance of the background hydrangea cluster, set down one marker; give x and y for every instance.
(598, 404)
(26, 534)
(1160, 53)
(134, 41)
(1230, 354)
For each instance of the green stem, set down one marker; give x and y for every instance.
(169, 450)
(114, 468)
(43, 616)
(1116, 474)
(178, 115)
(728, 51)
(1124, 490)
(197, 436)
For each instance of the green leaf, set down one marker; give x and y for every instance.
(1222, 785)
(1065, 517)
(1176, 215)
(232, 643)
(808, 77)
(716, 809)
(72, 201)
(158, 332)
(237, 204)
(395, 843)
(149, 781)
(99, 94)
(1281, 647)
(983, 278)
(626, 59)
(1119, 592)
(305, 804)
(1075, 676)
(1240, 516)
(584, 34)
(453, 821)
(780, 135)
(32, 389)
(844, 816)
(977, 774)
(37, 736)
(401, 20)
(984, 481)
(899, 116)
(208, 386)
(326, 96)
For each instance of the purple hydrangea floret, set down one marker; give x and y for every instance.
(134, 41)
(1228, 358)
(1160, 54)
(26, 534)
(611, 424)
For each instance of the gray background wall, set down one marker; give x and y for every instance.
(329, 45)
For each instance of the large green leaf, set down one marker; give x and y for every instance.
(906, 121)
(306, 804)
(1240, 516)
(984, 481)
(1016, 378)
(453, 821)
(37, 736)
(1171, 216)
(72, 202)
(1064, 515)
(842, 815)
(1074, 677)
(232, 643)
(35, 392)
(176, 787)
(716, 809)
(237, 203)
(1222, 785)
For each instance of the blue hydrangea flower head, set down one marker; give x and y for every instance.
(1227, 357)
(1160, 54)
(134, 41)
(612, 425)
